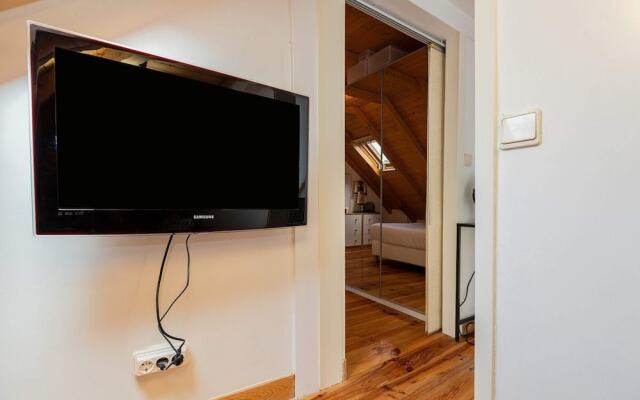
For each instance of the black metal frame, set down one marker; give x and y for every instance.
(470, 318)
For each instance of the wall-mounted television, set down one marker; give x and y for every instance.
(125, 142)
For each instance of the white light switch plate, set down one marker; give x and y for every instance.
(520, 130)
(468, 159)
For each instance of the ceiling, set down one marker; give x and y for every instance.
(465, 6)
(440, 20)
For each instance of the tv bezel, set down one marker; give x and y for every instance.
(49, 219)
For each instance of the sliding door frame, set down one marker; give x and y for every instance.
(331, 137)
(432, 315)
(486, 128)
(434, 204)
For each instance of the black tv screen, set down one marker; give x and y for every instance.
(127, 142)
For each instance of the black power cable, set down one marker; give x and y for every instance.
(178, 358)
(186, 245)
(466, 326)
(466, 294)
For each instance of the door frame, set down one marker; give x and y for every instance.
(435, 207)
(331, 197)
(486, 127)
(442, 134)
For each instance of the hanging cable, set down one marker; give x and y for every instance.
(468, 337)
(466, 294)
(186, 245)
(178, 358)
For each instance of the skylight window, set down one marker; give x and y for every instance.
(372, 152)
(375, 148)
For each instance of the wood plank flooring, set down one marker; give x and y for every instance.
(389, 357)
(402, 283)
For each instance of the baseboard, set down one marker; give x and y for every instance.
(278, 389)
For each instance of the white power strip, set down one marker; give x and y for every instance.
(145, 361)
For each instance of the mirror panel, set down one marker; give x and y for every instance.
(362, 124)
(404, 181)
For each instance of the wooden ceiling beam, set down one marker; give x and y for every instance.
(395, 114)
(362, 94)
(388, 190)
(351, 58)
(404, 206)
(404, 128)
(406, 79)
(394, 158)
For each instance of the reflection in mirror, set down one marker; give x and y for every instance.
(402, 233)
(385, 154)
(362, 182)
(46, 64)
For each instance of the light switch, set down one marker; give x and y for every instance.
(468, 159)
(520, 130)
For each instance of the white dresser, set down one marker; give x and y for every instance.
(356, 228)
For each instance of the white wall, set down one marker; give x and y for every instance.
(331, 189)
(466, 135)
(441, 19)
(568, 221)
(465, 183)
(465, 5)
(74, 309)
(450, 14)
(308, 356)
(485, 178)
(467, 261)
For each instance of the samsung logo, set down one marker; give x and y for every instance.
(201, 216)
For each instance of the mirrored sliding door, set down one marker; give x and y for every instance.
(386, 153)
(404, 181)
(362, 181)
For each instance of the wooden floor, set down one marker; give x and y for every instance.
(389, 357)
(402, 283)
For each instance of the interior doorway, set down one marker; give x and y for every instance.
(394, 160)
(394, 83)
(386, 103)
(332, 84)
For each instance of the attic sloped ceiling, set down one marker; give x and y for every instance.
(399, 121)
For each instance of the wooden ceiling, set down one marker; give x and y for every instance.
(398, 118)
(363, 32)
